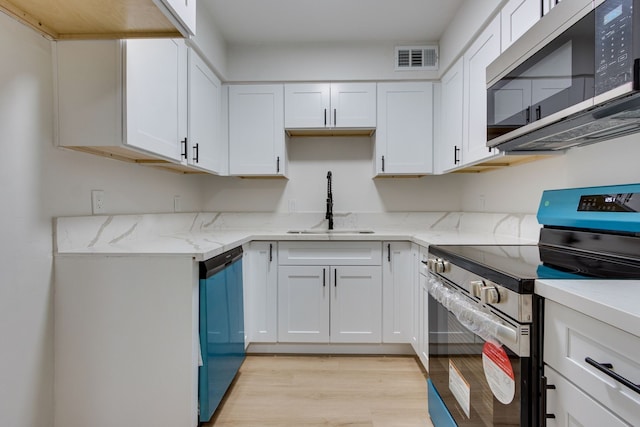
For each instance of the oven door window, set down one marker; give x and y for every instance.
(457, 372)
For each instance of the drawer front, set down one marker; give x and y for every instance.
(330, 253)
(571, 407)
(570, 337)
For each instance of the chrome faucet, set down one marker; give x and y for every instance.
(329, 214)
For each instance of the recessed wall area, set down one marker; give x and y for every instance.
(514, 189)
(518, 189)
(350, 159)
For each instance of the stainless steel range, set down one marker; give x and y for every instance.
(485, 329)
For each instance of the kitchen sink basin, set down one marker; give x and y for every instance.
(330, 231)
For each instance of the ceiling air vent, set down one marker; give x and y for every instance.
(416, 58)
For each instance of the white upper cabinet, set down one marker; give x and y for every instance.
(517, 16)
(205, 142)
(256, 130)
(123, 98)
(404, 134)
(156, 95)
(335, 105)
(353, 105)
(480, 54)
(182, 13)
(547, 5)
(448, 149)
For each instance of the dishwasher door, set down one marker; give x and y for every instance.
(221, 328)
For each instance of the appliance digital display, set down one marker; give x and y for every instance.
(623, 202)
(610, 16)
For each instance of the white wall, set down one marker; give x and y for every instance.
(322, 62)
(351, 161)
(39, 182)
(519, 188)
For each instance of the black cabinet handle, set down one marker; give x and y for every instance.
(196, 149)
(607, 369)
(389, 252)
(543, 401)
(527, 115)
(325, 116)
(278, 164)
(270, 252)
(538, 112)
(382, 163)
(335, 117)
(324, 277)
(335, 278)
(183, 154)
(456, 150)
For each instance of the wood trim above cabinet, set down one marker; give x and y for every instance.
(91, 19)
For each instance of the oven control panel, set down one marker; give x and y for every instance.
(484, 291)
(622, 202)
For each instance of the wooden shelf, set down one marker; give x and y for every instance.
(91, 19)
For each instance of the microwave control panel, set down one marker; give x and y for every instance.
(613, 53)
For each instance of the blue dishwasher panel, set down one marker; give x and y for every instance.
(221, 334)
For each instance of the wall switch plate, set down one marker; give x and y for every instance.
(97, 201)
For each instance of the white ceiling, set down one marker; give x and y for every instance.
(331, 21)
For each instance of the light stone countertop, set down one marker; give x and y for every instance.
(612, 301)
(203, 235)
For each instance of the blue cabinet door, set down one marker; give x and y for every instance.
(221, 335)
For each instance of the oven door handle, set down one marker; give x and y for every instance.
(477, 321)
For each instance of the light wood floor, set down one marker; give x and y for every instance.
(326, 391)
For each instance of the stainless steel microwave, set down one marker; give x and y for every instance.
(572, 79)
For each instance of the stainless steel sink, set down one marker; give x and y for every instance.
(330, 231)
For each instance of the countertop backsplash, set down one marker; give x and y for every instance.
(206, 234)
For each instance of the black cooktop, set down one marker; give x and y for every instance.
(517, 266)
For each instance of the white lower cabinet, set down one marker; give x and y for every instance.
(570, 406)
(397, 282)
(423, 338)
(420, 306)
(341, 304)
(582, 394)
(324, 299)
(415, 297)
(127, 342)
(261, 291)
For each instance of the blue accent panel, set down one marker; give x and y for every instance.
(560, 208)
(440, 416)
(221, 335)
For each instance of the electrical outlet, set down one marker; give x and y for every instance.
(97, 201)
(177, 205)
(292, 205)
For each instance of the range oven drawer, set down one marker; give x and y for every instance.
(571, 337)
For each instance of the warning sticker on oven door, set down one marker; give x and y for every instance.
(460, 388)
(498, 372)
